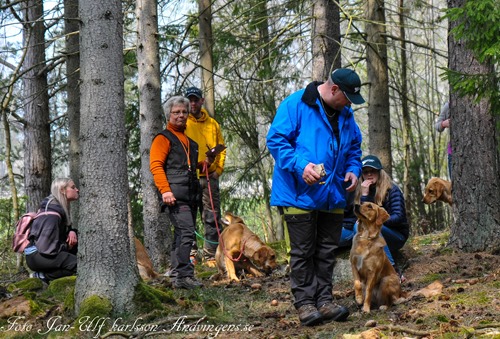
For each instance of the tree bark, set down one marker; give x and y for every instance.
(72, 54)
(37, 146)
(106, 267)
(475, 157)
(325, 39)
(206, 57)
(379, 124)
(157, 233)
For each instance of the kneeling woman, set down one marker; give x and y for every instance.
(51, 253)
(376, 186)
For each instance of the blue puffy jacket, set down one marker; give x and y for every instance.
(300, 134)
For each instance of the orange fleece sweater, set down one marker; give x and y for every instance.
(160, 148)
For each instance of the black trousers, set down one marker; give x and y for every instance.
(314, 235)
(183, 218)
(53, 267)
(209, 215)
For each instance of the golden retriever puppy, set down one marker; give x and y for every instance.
(144, 263)
(376, 283)
(437, 189)
(239, 248)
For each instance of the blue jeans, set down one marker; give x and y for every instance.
(394, 240)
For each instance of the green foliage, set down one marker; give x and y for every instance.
(477, 24)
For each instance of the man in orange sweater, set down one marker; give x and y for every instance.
(205, 130)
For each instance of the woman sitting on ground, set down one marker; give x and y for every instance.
(51, 253)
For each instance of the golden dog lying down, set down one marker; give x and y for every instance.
(144, 263)
(239, 248)
(376, 283)
(438, 189)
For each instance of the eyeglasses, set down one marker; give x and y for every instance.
(177, 113)
(369, 171)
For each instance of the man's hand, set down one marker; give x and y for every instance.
(310, 176)
(353, 179)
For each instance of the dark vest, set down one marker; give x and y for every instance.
(182, 177)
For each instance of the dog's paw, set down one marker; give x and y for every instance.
(383, 308)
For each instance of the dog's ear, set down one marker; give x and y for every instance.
(382, 216)
(260, 255)
(227, 218)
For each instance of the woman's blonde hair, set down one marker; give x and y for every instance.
(383, 185)
(58, 191)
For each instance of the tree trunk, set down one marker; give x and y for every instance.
(325, 39)
(379, 124)
(475, 158)
(206, 57)
(37, 146)
(157, 233)
(73, 95)
(106, 267)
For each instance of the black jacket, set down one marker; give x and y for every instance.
(49, 232)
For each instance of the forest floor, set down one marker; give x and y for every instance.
(448, 295)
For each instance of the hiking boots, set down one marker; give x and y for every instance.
(333, 312)
(309, 315)
(40, 276)
(188, 283)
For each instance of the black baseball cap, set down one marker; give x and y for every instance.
(371, 161)
(193, 91)
(349, 82)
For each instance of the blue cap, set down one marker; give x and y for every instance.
(193, 91)
(349, 82)
(371, 161)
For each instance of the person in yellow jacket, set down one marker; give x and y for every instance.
(205, 130)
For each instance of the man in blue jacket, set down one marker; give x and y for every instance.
(316, 145)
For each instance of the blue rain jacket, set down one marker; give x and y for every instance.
(301, 133)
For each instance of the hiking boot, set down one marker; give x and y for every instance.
(309, 315)
(331, 311)
(187, 283)
(40, 276)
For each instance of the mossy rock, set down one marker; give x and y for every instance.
(30, 284)
(60, 288)
(148, 298)
(95, 312)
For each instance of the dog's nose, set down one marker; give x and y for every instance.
(357, 207)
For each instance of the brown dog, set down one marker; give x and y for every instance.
(239, 248)
(373, 274)
(144, 263)
(437, 189)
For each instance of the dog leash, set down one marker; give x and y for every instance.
(205, 170)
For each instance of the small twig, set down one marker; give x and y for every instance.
(404, 329)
